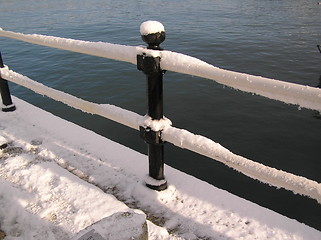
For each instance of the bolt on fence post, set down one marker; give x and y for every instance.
(8, 106)
(153, 34)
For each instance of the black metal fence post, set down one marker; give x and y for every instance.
(151, 67)
(8, 106)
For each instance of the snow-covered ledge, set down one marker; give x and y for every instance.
(61, 203)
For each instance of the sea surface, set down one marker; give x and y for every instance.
(271, 38)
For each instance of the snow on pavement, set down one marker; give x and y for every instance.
(55, 182)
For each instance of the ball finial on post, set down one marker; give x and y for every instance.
(153, 33)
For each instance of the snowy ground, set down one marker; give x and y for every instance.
(57, 178)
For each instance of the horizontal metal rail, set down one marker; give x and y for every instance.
(304, 96)
(125, 117)
(265, 174)
(179, 137)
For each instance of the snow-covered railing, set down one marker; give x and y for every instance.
(111, 112)
(304, 96)
(161, 129)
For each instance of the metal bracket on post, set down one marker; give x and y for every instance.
(150, 136)
(8, 106)
(153, 34)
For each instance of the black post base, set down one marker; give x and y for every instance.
(9, 109)
(157, 188)
(158, 185)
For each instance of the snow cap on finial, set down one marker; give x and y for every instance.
(150, 27)
(153, 33)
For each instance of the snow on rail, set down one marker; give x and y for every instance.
(99, 49)
(304, 96)
(111, 112)
(178, 137)
(268, 175)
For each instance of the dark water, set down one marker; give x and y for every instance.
(275, 39)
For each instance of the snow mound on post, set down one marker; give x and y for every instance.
(150, 27)
(155, 125)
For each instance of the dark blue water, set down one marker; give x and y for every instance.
(275, 39)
